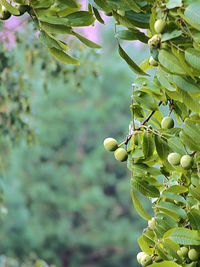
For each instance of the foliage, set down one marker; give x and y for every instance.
(68, 202)
(174, 45)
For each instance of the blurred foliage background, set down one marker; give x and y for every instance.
(64, 199)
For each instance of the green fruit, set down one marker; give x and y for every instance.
(146, 260)
(154, 42)
(174, 158)
(110, 144)
(186, 162)
(139, 256)
(182, 252)
(167, 123)
(152, 223)
(121, 154)
(153, 62)
(4, 14)
(160, 25)
(193, 255)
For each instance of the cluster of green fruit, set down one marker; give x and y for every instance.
(176, 159)
(155, 41)
(5, 14)
(120, 153)
(184, 253)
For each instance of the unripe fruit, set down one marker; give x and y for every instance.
(182, 252)
(5, 14)
(186, 162)
(160, 25)
(154, 42)
(164, 45)
(153, 62)
(167, 123)
(193, 255)
(146, 260)
(139, 256)
(110, 144)
(152, 223)
(174, 158)
(121, 154)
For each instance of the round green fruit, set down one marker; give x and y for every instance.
(186, 162)
(5, 14)
(153, 62)
(110, 144)
(182, 252)
(160, 25)
(146, 260)
(174, 158)
(193, 255)
(152, 223)
(167, 123)
(139, 256)
(121, 154)
(154, 42)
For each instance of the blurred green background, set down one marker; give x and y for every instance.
(68, 200)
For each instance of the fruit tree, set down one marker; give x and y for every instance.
(162, 153)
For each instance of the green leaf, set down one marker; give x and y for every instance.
(131, 4)
(172, 209)
(54, 20)
(170, 35)
(145, 188)
(145, 100)
(144, 245)
(164, 264)
(137, 111)
(86, 41)
(134, 67)
(170, 62)
(192, 56)
(131, 35)
(191, 101)
(188, 141)
(138, 206)
(162, 147)
(195, 192)
(50, 41)
(173, 3)
(139, 20)
(192, 12)
(166, 219)
(177, 189)
(176, 145)
(139, 169)
(185, 236)
(186, 84)
(148, 145)
(192, 129)
(80, 19)
(63, 57)
(56, 29)
(97, 15)
(70, 3)
(194, 218)
(173, 196)
(10, 8)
